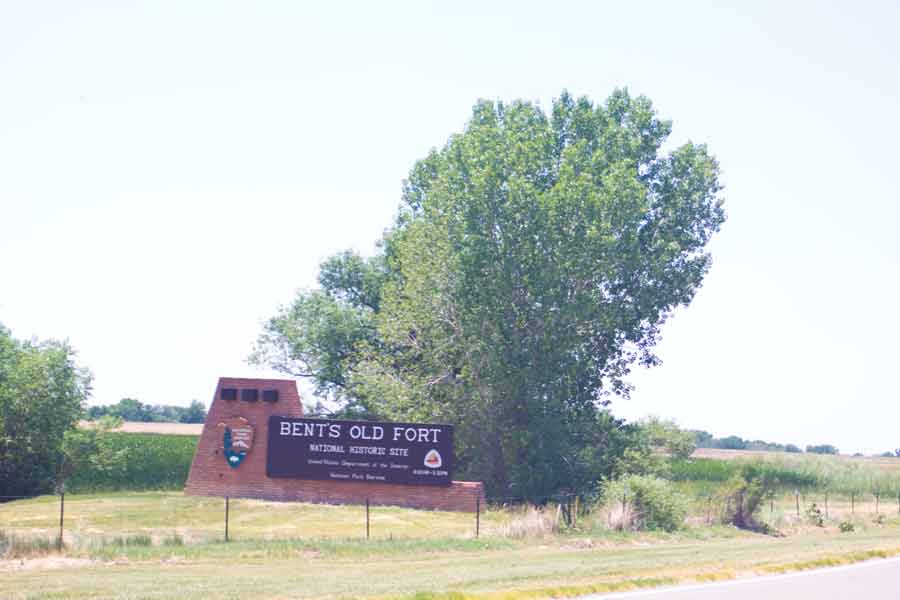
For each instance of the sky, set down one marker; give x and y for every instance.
(172, 172)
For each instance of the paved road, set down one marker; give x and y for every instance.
(872, 580)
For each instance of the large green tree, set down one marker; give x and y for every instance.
(42, 396)
(319, 334)
(533, 261)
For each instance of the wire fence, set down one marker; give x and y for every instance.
(170, 518)
(76, 521)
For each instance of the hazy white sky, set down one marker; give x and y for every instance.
(172, 172)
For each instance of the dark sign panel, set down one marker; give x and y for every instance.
(407, 453)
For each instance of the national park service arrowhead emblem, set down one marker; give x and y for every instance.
(237, 439)
(433, 459)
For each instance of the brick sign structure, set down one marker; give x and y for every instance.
(245, 424)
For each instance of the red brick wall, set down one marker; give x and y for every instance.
(211, 476)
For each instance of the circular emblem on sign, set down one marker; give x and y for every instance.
(433, 459)
(237, 440)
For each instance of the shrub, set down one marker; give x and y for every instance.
(815, 515)
(745, 492)
(644, 502)
(667, 436)
(847, 527)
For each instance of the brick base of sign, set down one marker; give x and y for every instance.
(211, 474)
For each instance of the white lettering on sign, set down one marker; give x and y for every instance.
(367, 432)
(420, 434)
(319, 448)
(326, 448)
(297, 429)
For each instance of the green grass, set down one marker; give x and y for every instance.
(165, 545)
(200, 519)
(561, 566)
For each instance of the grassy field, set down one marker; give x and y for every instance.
(808, 473)
(161, 515)
(878, 462)
(165, 545)
(161, 544)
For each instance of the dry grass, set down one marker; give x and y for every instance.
(533, 522)
(615, 517)
(93, 519)
(877, 462)
(163, 428)
(552, 567)
(139, 545)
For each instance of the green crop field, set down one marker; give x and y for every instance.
(153, 461)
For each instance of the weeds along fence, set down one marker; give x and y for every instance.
(90, 521)
(802, 507)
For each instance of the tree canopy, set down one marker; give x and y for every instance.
(532, 263)
(42, 395)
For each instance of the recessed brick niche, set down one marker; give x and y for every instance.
(256, 400)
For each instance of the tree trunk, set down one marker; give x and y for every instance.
(499, 476)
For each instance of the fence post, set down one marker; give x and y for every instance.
(708, 509)
(62, 505)
(477, 516)
(852, 503)
(175, 520)
(826, 505)
(876, 502)
(797, 498)
(574, 510)
(367, 518)
(226, 518)
(772, 508)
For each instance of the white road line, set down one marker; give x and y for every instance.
(659, 591)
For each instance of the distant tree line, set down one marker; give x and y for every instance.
(733, 442)
(822, 449)
(704, 439)
(129, 409)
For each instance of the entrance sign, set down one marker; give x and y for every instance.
(256, 443)
(362, 451)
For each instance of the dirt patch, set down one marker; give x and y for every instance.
(47, 562)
